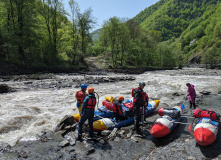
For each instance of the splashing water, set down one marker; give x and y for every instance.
(28, 112)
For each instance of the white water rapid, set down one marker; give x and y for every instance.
(25, 113)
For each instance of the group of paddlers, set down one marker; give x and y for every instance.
(86, 105)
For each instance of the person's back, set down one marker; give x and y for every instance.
(80, 96)
(87, 113)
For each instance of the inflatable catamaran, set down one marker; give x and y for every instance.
(167, 122)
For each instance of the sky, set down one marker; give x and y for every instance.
(105, 9)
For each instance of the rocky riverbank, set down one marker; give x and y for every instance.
(179, 144)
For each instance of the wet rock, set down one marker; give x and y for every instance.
(4, 147)
(72, 142)
(121, 133)
(72, 149)
(116, 139)
(134, 139)
(191, 158)
(5, 88)
(64, 143)
(176, 94)
(22, 154)
(105, 133)
(219, 92)
(205, 92)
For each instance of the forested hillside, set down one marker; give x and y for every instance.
(192, 28)
(38, 33)
(172, 17)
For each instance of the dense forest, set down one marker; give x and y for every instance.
(38, 33)
(167, 34)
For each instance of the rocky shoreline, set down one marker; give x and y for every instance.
(179, 144)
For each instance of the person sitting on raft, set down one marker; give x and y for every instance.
(191, 93)
(116, 107)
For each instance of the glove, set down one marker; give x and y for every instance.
(78, 105)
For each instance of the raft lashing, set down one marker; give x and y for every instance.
(166, 123)
(110, 124)
(206, 129)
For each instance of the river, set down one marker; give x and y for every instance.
(36, 107)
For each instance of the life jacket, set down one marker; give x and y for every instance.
(198, 113)
(129, 105)
(91, 103)
(80, 95)
(107, 104)
(144, 95)
(116, 108)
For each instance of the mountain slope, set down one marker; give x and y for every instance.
(172, 17)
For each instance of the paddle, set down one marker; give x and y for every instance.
(191, 131)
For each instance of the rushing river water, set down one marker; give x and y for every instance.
(31, 109)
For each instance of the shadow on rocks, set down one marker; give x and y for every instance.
(175, 134)
(213, 150)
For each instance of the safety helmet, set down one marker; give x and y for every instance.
(91, 90)
(121, 98)
(83, 86)
(142, 84)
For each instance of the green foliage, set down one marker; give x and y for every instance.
(38, 33)
(172, 17)
(132, 46)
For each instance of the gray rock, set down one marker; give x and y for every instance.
(121, 132)
(105, 133)
(72, 141)
(64, 143)
(191, 158)
(134, 139)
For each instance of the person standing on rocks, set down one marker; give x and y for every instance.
(117, 109)
(87, 112)
(80, 96)
(191, 93)
(140, 100)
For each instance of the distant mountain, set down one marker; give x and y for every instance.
(95, 35)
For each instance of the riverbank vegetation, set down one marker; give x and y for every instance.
(170, 33)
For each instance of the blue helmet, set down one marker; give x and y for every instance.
(83, 86)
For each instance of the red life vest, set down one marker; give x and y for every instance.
(80, 95)
(91, 103)
(144, 95)
(129, 105)
(116, 108)
(107, 104)
(198, 113)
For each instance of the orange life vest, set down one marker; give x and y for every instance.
(80, 95)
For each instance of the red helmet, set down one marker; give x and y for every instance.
(91, 90)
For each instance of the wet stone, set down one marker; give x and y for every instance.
(22, 154)
(134, 139)
(116, 139)
(105, 133)
(64, 143)
(90, 151)
(72, 141)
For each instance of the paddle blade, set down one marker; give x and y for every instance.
(190, 127)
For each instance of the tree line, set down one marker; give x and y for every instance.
(38, 33)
